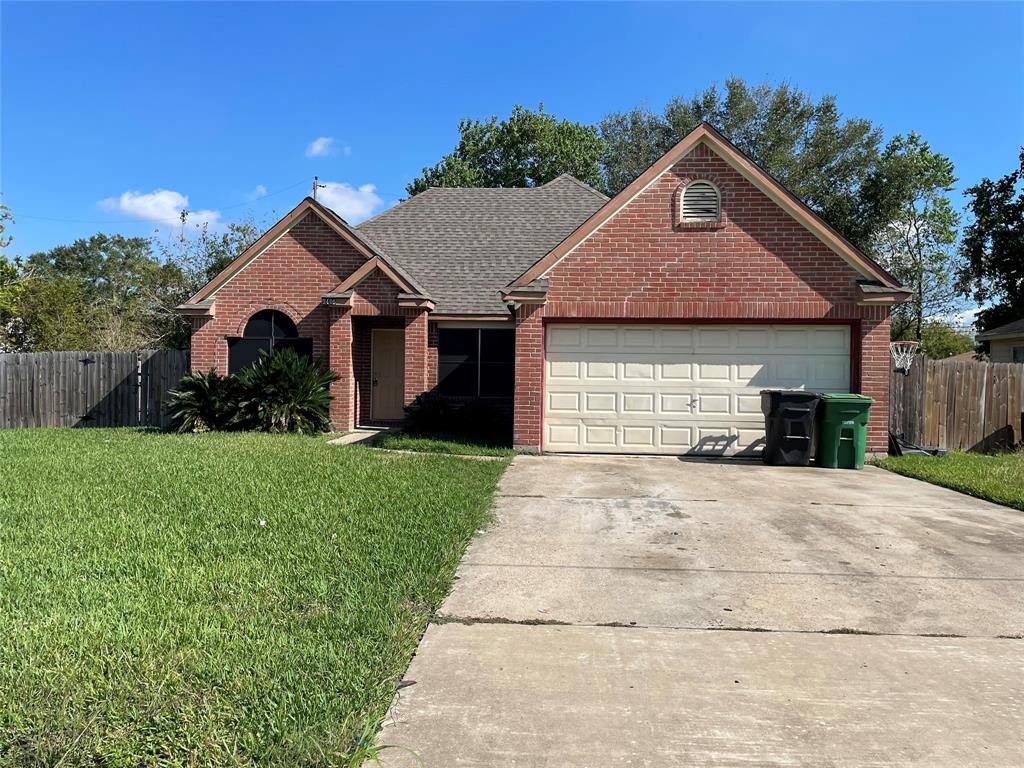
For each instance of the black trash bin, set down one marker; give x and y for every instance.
(789, 417)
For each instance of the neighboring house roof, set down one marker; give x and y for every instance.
(465, 244)
(1016, 328)
(704, 133)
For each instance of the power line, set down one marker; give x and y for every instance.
(173, 220)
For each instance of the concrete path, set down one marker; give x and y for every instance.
(649, 612)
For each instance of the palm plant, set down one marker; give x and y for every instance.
(285, 392)
(202, 402)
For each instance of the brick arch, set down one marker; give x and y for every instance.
(725, 195)
(255, 307)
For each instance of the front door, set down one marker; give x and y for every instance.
(387, 364)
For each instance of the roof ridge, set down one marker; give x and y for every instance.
(375, 247)
(578, 182)
(394, 207)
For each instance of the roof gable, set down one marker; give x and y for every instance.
(308, 207)
(719, 145)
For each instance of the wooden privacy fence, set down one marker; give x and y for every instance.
(88, 389)
(958, 405)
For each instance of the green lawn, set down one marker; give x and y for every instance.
(998, 478)
(217, 599)
(399, 441)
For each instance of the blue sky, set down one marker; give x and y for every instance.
(114, 114)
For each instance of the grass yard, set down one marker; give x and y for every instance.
(216, 599)
(995, 477)
(399, 441)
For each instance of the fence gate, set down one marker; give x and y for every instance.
(88, 389)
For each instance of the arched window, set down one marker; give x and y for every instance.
(270, 324)
(267, 330)
(700, 202)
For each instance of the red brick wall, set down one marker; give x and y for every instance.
(291, 275)
(758, 264)
(415, 355)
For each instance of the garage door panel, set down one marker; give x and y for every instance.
(564, 402)
(679, 389)
(638, 370)
(714, 338)
(601, 369)
(599, 435)
(638, 338)
(602, 337)
(676, 372)
(600, 402)
(563, 369)
(563, 337)
(677, 339)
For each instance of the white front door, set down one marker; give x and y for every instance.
(675, 389)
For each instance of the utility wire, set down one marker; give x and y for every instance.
(174, 220)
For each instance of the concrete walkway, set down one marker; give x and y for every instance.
(649, 612)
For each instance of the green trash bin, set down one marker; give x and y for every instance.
(843, 430)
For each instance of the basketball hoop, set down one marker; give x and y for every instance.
(903, 354)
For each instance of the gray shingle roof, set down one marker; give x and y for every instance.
(1010, 329)
(463, 244)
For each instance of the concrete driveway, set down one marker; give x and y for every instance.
(649, 612)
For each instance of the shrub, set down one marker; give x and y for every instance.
(203, 402)
(285, 392)
(281, 392)
(434, 414)
(429, 413)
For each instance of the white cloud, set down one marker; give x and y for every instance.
(353, 204)
(258, 192)
(320, 147)
(962, 320)
(161, 206)
(347, 150)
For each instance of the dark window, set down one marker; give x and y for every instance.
(267, 330)
(476, 361)
(269, 323)
(497, 362)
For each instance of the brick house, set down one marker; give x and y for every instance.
(644, 323)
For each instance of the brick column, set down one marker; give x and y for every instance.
(339, 356)
(875, 370)
(526, 432)
(416, 375)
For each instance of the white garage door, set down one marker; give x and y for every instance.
(679, 388)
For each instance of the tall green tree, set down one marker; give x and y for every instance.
(940, 340)
(11, 275)
(527, 149)
(55, 313)
(918, 244)
(993, 248)
(198, 256)
(824, 158)
(121, 281)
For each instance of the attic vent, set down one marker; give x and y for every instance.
(700, 202)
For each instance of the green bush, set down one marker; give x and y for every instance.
(281, 392)
(203, 402)
(434, 414)
(285, 392)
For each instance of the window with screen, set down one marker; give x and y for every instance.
(476, 362)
